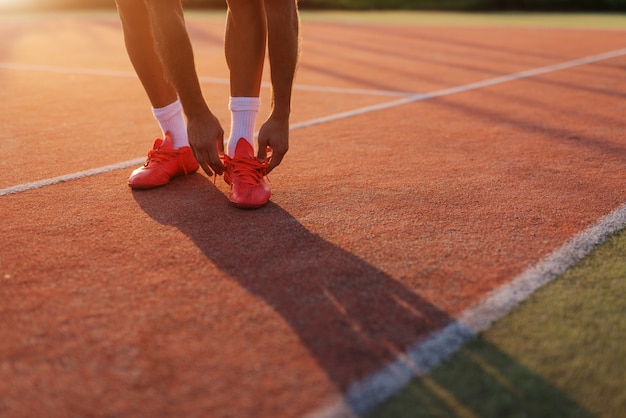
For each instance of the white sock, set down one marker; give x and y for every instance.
(171, 119)
(243, 117)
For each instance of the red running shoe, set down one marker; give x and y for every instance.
(244, 172)
(163, 163)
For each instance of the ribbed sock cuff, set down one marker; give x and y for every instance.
(243, 118)
(244, 103)
(171, 119)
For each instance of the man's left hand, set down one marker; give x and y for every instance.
(274, 134)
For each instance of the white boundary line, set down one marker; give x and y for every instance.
(204, 79)
(465, 88)
(65, 70)
(338, 116)
(426, 354)
(70, 177)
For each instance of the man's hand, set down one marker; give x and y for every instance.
(274, 134)
(206, 139)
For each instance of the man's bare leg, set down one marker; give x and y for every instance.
(245, 44)
(173, 47)
(167, 109)
(141, 51)
(283, 26)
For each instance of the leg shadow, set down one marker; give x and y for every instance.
(352, 317)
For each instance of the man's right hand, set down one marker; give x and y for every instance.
(206, 139)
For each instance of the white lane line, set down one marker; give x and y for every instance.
(356, 112)
(343, 90)
(65, 70)
(465, 88)
(70, 177)
(203, 79)
(426, 354)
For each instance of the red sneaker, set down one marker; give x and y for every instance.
(244, 172)
(163, 163)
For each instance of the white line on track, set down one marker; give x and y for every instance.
(465, 88)
(70, 177)
(210, 80)
(426, 354)
(338, 116)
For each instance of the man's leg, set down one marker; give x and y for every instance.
(166, 107)
(142, 53)
(283, 43)
(245, 43)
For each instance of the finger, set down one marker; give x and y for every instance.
(262, 154)
(277, 157)
(216, 160)
(216, 165)
(263, 144)
(205, 166)
(206, 169)
(201, 158)
(219, 143)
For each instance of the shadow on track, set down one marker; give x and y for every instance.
(340, 307)
(352, 317)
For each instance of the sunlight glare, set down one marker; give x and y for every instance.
(14, 4)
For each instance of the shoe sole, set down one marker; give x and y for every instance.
(248, 206)
(146, 186)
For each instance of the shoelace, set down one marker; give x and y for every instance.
(247, 170)
(158, 156)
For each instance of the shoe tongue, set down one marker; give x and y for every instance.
(244, 149)
(167, 142)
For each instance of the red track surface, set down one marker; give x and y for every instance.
(382, 226)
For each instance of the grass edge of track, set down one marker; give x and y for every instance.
(558, 354)
(565, 20)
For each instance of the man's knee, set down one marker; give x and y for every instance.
(287, 9)
(162, 6)
(133, 8)
(284, 4)
(245, 6)
(127, 9)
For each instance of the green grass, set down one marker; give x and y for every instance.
(560, 354)
(565, 20)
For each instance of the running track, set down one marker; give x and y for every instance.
(429, 166)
